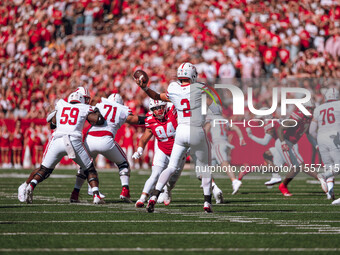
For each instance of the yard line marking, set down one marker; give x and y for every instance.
(111, 221)
(171, 211)
(138, 249)
(165, 233)
(174, 204)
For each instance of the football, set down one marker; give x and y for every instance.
(140, 74)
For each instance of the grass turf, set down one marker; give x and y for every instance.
(256, 220)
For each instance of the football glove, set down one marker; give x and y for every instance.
(138, 153)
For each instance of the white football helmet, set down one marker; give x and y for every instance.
(158, 108)
(86, 94)
(331, 94)
(187, 70)
(76, 97)
(116, 98)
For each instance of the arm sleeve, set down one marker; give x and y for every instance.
(312, 140)
(313, 128)
(50, 116)
(263, 141)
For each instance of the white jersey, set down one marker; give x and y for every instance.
(187, 100)
(328, 117)
(115, 115)
(71, 118)
(219, 131)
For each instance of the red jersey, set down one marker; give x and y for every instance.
(294, 134)
(271, 128)
(165, 130)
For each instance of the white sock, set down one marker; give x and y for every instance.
(143, 197)
(164, 177)
(151, 182)
(330, 183)
(206, 185)
(124, 179)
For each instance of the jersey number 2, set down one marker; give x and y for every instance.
(69, 115)
(330, 115)
(186, 111)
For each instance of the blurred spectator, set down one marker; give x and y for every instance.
(42, 57)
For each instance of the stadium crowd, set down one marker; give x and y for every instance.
(49, 48)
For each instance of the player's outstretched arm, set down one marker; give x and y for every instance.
(263, 141)
(52, 119)
(151, 93)
(142, 143)
(313, 129)
(135, 120)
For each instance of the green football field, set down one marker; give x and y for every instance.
(256, 220)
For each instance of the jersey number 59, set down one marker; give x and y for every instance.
(69, 115)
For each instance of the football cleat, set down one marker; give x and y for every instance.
(139, 203)
(218, 195)
(29, 194)
(22, 192)
(125, 195)
(207, 207)
(273, 181)
(98, 200)
(323, 182)
(74, 197)
(236, 185)
(90, 193)
(284, 190)
(151, 204)
(160, 199)
(165, 196)
(336, 202)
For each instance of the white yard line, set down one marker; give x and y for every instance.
(138, 249)
(163, 233)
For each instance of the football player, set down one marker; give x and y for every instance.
(219, 137)
(287, 146)
(160, 122)
(271, 155)
(325, 127)
(100, 140)
(68, 119)
(186, 95)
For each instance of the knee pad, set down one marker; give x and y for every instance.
(124, 168)
(267, 155)
(44, 172)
